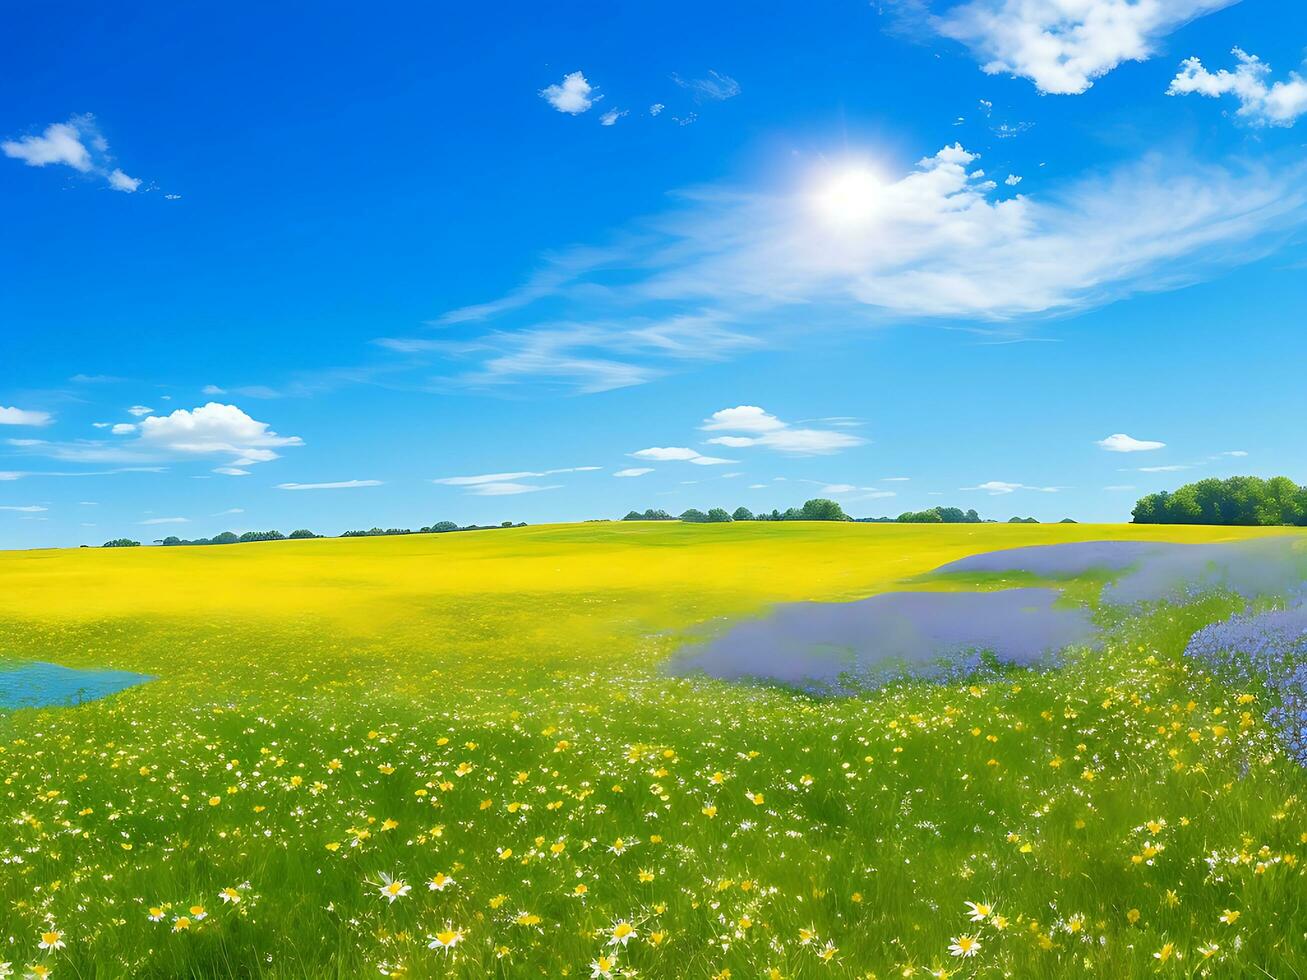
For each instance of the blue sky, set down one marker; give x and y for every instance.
(395, 265)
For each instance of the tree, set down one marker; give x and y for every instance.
(121, 543)
(931, 516)
(693, 516)
(718, 516)
(821, 509)
(742, 514)
(226, 537)
(262, 536)
(301, 533)
(1239, 500)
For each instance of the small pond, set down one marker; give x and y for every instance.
(40, 685)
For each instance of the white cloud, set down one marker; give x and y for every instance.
(1277, 104)
(211, 429)
(772, 433)
(1173, 468)
(230, 510)
(340, 485)
(610, 117)
(574, 96)
(589, 357)
(507, 489)
(1012, 180)
(76, 144)
(996, 487)
(231, 471)
(25, 509)
(1235, 452)
(656, 108)
(471, 481)
(21, 416)
(119, 181)
(1118, 487)
(936, 242)
(634, 471)
(895, 479)
(757, 486)
(60, 143)
(165, 520)
(213, 390)
(140, 410)
(1063, 45)
(123, 428)
(1119, 442)
(838, 488)
(664, 454)
(714, 88)
(742, 418)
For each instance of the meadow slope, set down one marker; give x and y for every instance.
(457, 755)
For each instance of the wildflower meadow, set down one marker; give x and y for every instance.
(462, 755)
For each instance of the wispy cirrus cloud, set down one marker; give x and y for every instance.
(508, 484)
(724, 270)
(338, 485)
(999, 487)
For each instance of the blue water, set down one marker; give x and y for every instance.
(40, 685)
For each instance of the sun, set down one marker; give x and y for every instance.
(850, 196)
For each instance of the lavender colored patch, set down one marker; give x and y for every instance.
(1156, 569)
(1058, 560)
(1269, 648)
(809, 642)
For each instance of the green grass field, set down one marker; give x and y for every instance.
(457, 755)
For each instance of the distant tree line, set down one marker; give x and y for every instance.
(813, 510)
(1239, 500)
(231, 537)
(440, 527)
(821, 509)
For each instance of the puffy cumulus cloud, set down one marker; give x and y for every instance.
(339, 485)
(574, 95)
(1277, 104)
(23, 416)
(665, 454)
(768, 431)
(76, 143)
(1064, 45)
(610, 117)
(742, 418)
(1119, 442)
(213, 429)
(140, 411)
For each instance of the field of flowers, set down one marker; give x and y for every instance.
(457, 755)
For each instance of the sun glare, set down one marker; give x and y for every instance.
(850, 196)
